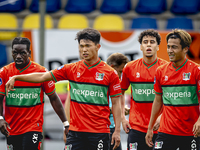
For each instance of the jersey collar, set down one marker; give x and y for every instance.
(179, 67)
(93, 65)
(26, 67)
(150, 65)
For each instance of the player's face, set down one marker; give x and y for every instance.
(20, 55)
(119, 69)
(149, 46)
(175, 51)
(89, 50)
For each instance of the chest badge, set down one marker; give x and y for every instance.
(186, 76)
(99, 76)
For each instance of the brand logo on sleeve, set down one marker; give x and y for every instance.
(60, 67)
(99, 76)
(1, 81)
(116, 87)
(166, 78)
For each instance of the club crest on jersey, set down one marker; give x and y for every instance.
(133, 146)
(158, 145)
(1, 81)
(60, 67)
(99, 76)
(186, 76)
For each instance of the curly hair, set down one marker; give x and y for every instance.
(149, 32)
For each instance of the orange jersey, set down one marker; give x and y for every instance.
(179, 87)
(141, 77)
(24, 106)
(90, 88)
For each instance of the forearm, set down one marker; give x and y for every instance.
(67, 107)
(123, 106)
(156, 110)
(58, 107)
(34, 77)
(116, 109)
(1, 104)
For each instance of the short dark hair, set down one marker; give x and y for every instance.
(22, 40)
(117, 59)
(89, 34)
(150, 32)
(184, 37)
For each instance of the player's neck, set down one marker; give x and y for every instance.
(92, 61)
(178, 63)
(149, 60)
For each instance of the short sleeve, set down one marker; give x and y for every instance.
(2, 81)
(60, 73)
(114, 86)
(124, 79)
(198, 78)
(157, 85)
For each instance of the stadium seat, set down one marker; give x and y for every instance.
(8, 21)
(3, 56)
(108, 23)
(115, 6)
(151, 6)
(73, 21)
(144, 23)
(80, 6)
(32, 21)
(185, 6)
(12, 6)
(51, 6)
(180, 22)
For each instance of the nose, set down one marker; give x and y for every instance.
(18, 56)
(169, 49)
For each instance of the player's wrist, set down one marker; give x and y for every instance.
(66, 124)
(1, 117)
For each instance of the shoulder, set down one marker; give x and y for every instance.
(38, 67)
(133, 63)
(162, 61)
(10, 67)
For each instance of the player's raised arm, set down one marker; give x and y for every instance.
(33, 77)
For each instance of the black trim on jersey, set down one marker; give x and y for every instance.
(27, 86)
(186, 105)
(89, 103)
(89, 83)
(142, 82)
(178, 85)
(142, 101)
(24, 106)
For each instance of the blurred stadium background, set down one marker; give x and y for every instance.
(17, 16)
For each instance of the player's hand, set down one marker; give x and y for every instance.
(126, 126)
(149, 137)
(66, 130)
(3, 127)
(127, 110)
(10, 85)
(115, 139)
(196, 128)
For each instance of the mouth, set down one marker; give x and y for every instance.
(18, 62)
(171, 56)
(148, 50)
(85, 55)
